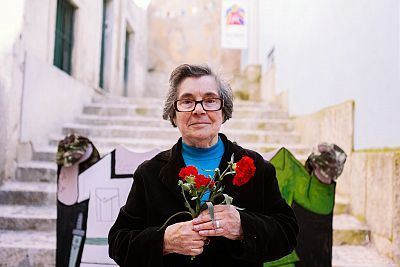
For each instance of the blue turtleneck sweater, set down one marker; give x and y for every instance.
(204, 159)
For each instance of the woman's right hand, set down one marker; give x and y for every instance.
(182, 239)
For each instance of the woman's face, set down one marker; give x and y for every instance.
(199, 128)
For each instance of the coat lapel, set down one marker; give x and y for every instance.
(230, 149)
(169, 174)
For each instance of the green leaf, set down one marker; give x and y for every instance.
(211, 210)
(217, 175)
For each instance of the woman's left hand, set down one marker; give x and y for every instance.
(226, 223)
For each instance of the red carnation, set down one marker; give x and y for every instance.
(245, 169)
(201, 180)
(188, 171)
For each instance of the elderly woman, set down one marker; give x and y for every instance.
(198, 102)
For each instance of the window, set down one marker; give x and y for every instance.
(127, 55)
(64, 35)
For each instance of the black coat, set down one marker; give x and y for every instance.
(268, 223)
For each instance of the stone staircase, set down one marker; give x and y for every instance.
(27, 202)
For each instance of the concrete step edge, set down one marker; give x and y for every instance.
(19, 186)
(28, 211)
(55, 137)
(28, 239)
(359, 256)
(173, 130)
(348, 222)
(38, 165)
(141, 118)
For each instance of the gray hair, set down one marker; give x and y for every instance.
(185, 71)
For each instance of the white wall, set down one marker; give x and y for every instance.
(50, 98)
(11, 18)
(329, 51)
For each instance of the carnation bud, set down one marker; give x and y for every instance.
(190, 179)
(186, 187)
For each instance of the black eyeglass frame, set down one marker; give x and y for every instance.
(199, 102)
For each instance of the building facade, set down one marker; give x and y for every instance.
(56, 54)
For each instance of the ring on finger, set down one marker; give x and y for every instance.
(217, 224)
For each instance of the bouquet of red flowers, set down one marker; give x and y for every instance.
(196, 185)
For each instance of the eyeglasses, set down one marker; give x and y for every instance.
(208, 104)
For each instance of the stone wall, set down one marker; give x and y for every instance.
(183, 31)
(375, 197)
(370, 180)
(334, 124)
(36, 97)
(39, 35)
(11, 60)
(50, 98)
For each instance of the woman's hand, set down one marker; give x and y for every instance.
(226, 223)
(181, 238)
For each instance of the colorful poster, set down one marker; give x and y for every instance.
(234, 24)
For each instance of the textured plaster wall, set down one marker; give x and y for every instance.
(39, 34)
(11, 18)
(375, 197)
(50, 98)
(183, 31)
(334, 124)
(370, 180)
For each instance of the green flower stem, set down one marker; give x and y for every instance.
(192, 212)
(231, 171)
(172, 216)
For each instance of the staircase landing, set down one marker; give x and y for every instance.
(28, 201)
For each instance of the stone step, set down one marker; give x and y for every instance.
(278, 125)
(91, 131)
(358, 256)
(347, 230)
(44, 153)
(122, 110)
(35, 248)
(27, 217)
(156, 111)
(36, 171)
(25, 245)
(27, 193)
(262, 136)
(144, 144)
(233, 123)
(342, 205)
(123, 121)
(160, 102)
(111, 99)
(240, 135)
(27, 248)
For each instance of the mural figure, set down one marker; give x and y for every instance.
(75, 154)
(310, 190)
(89, 199)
